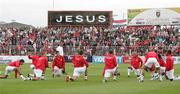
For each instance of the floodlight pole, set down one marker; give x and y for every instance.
(53, 4)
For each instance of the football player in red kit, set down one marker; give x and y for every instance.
(162, 69)
(80, 66)
(40, 67)
(110, 66)
(58, 65)
(14, 66)
(34, 59)
(136, 64)
(169, 66)
(150, 59)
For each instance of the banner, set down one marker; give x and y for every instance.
(126, 59)
(100, 59)
(154, 16)
(177, 60)
(68, 59)
(90, 59)
(8, 59)
(79, 18)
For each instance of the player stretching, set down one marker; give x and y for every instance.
(150, 59)
(58, 65)
(80, 66)
(34, 59)
(40, 67)
(14, 66)
(162, 69)
(136, 64)
(170, 67)
(110, 66)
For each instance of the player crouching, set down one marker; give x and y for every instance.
(80, 66)
(13, 66)
(40, 67)
(162, 69)
(34, 59)
(58, 65)
(170, 67)
(136, 64)
(151, 59)
(111, 66)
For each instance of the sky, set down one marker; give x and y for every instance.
(34, 12)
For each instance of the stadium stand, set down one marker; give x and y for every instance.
(93, 40)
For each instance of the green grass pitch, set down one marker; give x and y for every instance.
(94, 85)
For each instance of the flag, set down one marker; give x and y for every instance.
(119, 21)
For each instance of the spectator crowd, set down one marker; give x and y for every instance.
(92, 40)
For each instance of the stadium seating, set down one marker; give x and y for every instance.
(93, 40)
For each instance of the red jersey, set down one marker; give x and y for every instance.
(110, 61)
(79, 61)
(15, 64)
(42, 63)
(162, 63)
(59, 62)
(34, 59)
(151, 55)
(169, 63)
(136, 62)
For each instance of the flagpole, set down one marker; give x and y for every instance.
(123, 15)
(53, 4)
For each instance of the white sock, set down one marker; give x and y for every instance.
(86, 77)
(70, 77)
(29, 78)
(160, 77)
(42, 77)
(114, 78)
(31, 75)
(138, 72)
(22, 76)
(156, 74)
(141, 77)
(129, 71)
